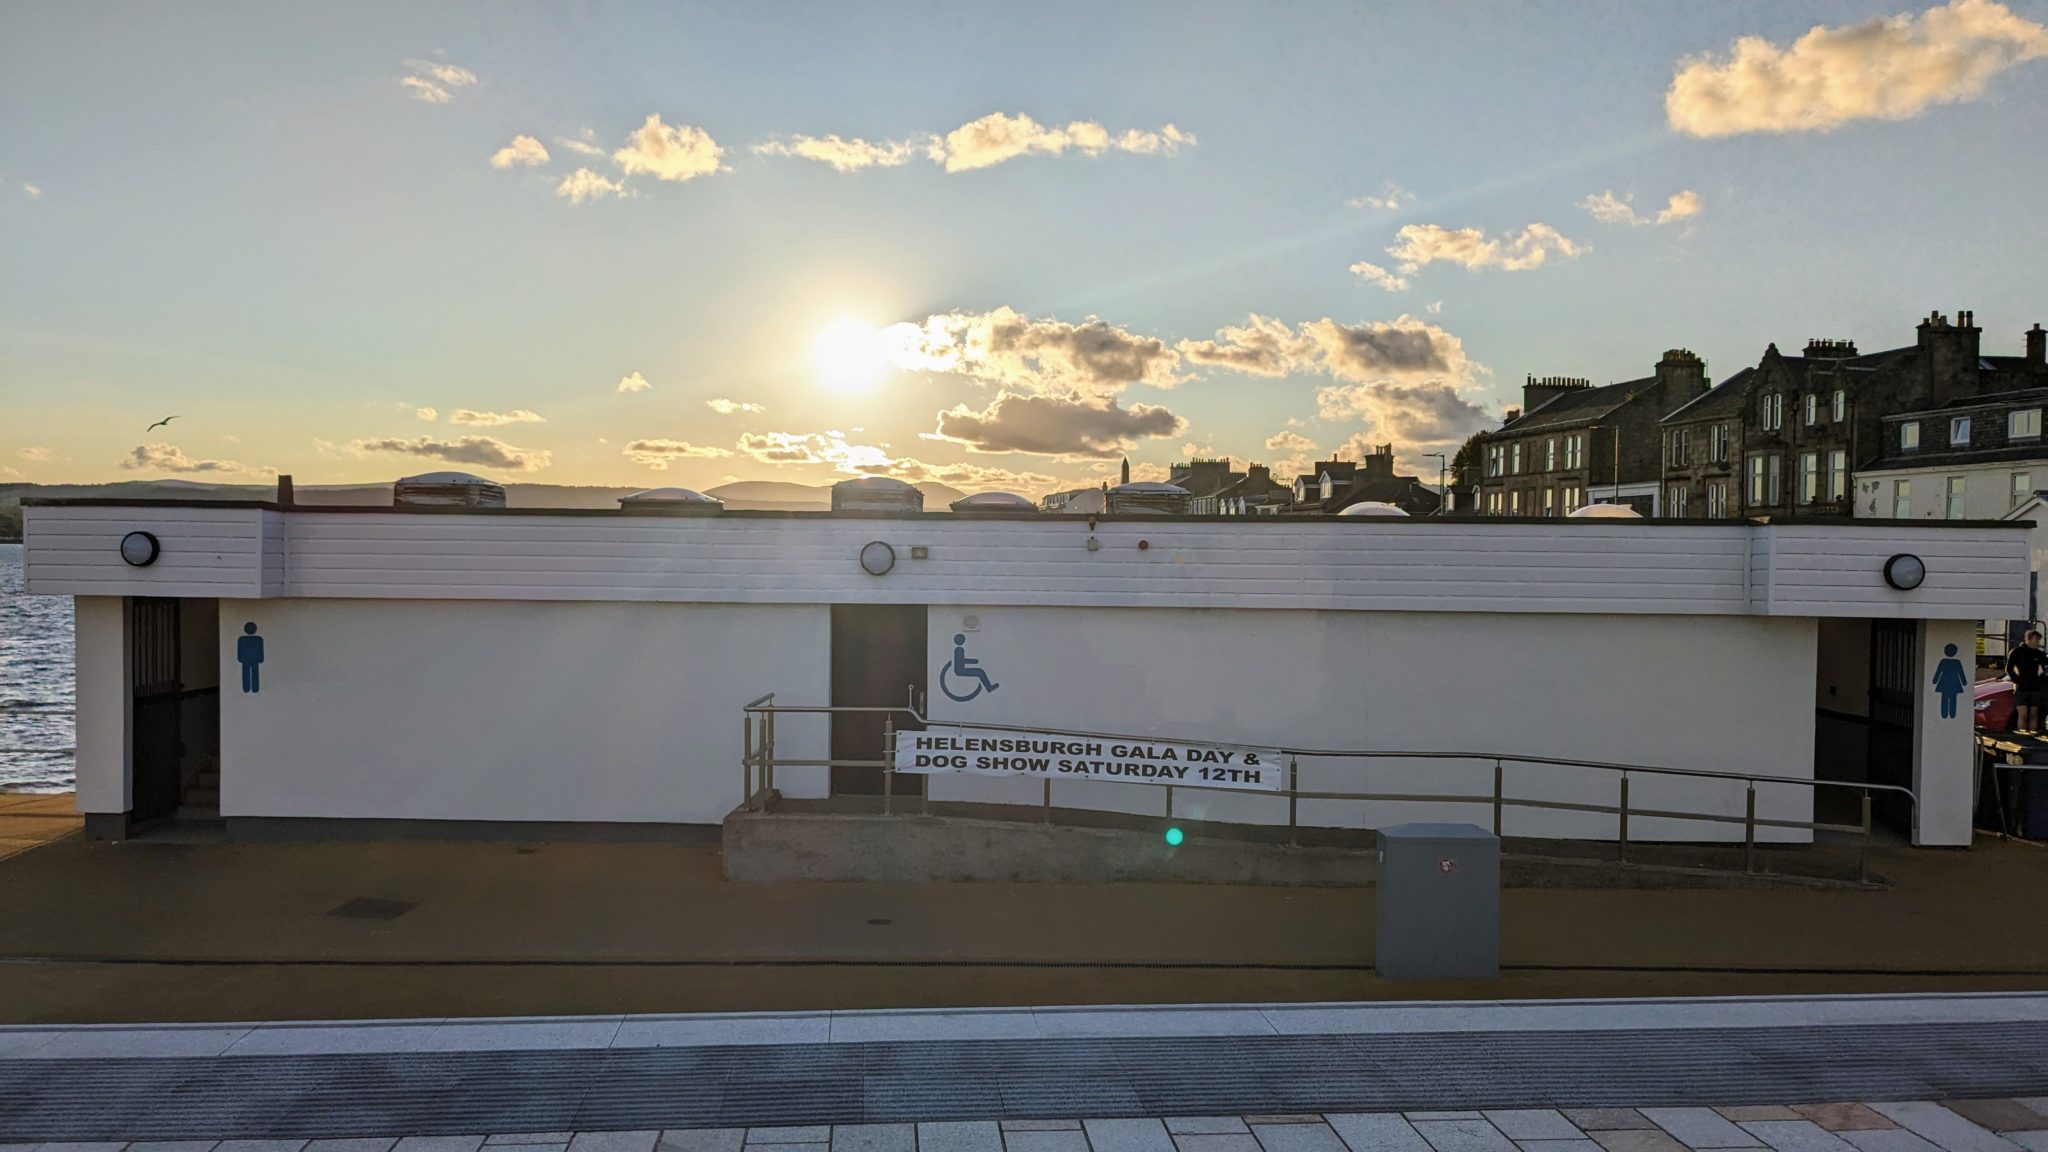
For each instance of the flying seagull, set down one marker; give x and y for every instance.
(158, 424)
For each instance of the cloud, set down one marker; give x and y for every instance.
(168, 458)
(669, 152)
(584, 143)
(1608, 208)
(998, 137)
(432, 81)
(810, 448)
(1374, 274)
(725, 407)
(484, 451)
(523, 150)
(658, 454)
(494, 419)
(1418, 245)
(31, 191)
(971, 477)
(1300, 454)
(1434, 307)
(1395, 197)
(1888, 68)
(1682, 206)
(428, 414)
(36, 455)
(1416, 418)
(1044, 356)
(1288, 440)
(10, 473)
(583, 184)
(633, 382)
(1405, 348)
(844, 155)
(1055, 426)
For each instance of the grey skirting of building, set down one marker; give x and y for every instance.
(367, 1094)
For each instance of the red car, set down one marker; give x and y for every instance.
(1994, 705)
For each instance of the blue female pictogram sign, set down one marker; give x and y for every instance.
(1950, 680)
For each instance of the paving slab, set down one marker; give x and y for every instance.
(1206, 1125)
(259, 1146)
(1637, 1140)
(1041, 1125)
(1701, 1128)
(440, 1144)
(2033, 1141)
(1376, 1132)
(1317, 1137)
(1606, 1119)
(1520, 1124)
(1069, 1141)
(1998, 1115)
(1463, 1136)
(1583, 1144)
(804, 1134)
(359, 1144)
(960, 1136)
(1215, 1142)
(1797, 1136)
(529, 1138)
(874, 1138)
(1845, 1117)
(1143, 1135)
(701, 1140)
(1887, 1140)
(1943, 1127)
(1747, 1113)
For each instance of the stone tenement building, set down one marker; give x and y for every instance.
(1785, 437)
(1571, 443)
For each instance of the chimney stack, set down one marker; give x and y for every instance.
(284, 484)
(2037, 346)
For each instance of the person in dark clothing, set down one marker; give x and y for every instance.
(2027, 667)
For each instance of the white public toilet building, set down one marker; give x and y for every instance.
(356, 672)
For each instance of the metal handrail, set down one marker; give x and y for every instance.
(759, 763)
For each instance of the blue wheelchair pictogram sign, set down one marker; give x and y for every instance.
(961, 669)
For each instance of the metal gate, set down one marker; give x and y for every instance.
(155, 650)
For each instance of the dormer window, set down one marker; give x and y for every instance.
(1909, 435)
(1958, 431)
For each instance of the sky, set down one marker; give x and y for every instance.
(996, 246)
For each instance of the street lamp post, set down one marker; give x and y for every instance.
(1443, 487)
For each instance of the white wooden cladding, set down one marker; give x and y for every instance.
(1349, 564)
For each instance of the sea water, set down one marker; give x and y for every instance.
(35, 671)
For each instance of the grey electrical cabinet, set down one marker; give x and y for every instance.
(1438, 903)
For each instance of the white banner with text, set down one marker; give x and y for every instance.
(985, 752)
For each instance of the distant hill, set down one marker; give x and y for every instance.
(745, 495)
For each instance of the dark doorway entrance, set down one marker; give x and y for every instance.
(1894, 657)
(174, 708)
(878, 659)
(155, 660)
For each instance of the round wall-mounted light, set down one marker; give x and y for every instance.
(876, 558)
(140, 549)
(1905, 571)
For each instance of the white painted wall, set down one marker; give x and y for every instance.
(1944, 748)
(1716, 694)
(505, 711)
(101, 665)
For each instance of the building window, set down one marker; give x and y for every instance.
(1955, 497)
(1958, 431)
(1550, 454)
(2022, 487)
(1717, 444)
(1574, 498)
(1838, 474)
(1515, 503)
(1717, 500)
(1771, 411)
(1841, 407)
(1764, 480)
(1812, 409)
(1775, 486)
(1909, 435)
(1493, 503)
(1902, 499)
(1515, 460)
(1809, 477)
(1675, 500)
(2024, 425)
(1575, 451)
(1550, 501)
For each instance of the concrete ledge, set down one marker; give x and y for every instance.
(266, 829)
(796, 846)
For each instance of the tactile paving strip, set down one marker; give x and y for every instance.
(383, 1094)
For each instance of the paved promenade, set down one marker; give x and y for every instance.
(1628, 1076)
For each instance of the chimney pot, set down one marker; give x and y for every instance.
(2037, 346)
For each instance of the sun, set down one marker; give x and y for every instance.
(848, 356)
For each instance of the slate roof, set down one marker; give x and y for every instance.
(1723, 399)
(1578, 407)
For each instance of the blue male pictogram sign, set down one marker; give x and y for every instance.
(962, 668)
(249, 651)
(1950, 680)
